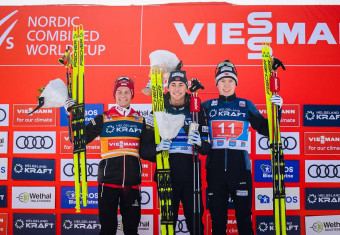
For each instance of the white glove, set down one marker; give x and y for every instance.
(163, 145)
(276, 100)
(68, 105)
(195, 138)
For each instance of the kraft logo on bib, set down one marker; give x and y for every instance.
(123, 144)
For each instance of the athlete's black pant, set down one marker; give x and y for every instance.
(183, 191)
(130, 209)
(238, 185)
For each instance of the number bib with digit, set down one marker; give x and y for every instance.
(231, 134)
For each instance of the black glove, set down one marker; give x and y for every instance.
(195, 85)
(277, 63)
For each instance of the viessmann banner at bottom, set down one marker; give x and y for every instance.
(36, 161)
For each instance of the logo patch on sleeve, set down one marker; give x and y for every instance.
(242, 193)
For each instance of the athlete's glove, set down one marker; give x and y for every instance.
(68, 105)
(195, 138)
(276, 100)
(277, 63)
(163, 145)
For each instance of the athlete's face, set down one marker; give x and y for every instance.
(123, 96)
(177, 92)
(226, 86)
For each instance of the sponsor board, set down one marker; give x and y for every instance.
(33, 169)
(143, 109)
(146, 197)
(264, 198)
(319, 171)
(322, 198)
(91, 111)
(322, 143)
(41, 117)
(3, 168)
(4, 111)
(80, 224)
(37, 224)
(290, 116)
(67, 169)
(34, 142)
(33, 197)
(147, 173)
(265, 225)
(3, 196)
(326, 225)
(66, 146)
(180, 228)
(231, 225)
(290, 143)
(68, 198)
(3, 142)
(321, 115)
(263, 171)
(3, 223)
(145, 226)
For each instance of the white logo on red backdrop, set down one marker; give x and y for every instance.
(66, 146)
(34, 142)
(147, 173)
(3, 223)
(4, 37)
(290, 115)
(322, 143)
(41, 117)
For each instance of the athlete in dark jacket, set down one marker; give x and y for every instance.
(177, 101)
(119, 172)
(228, 165)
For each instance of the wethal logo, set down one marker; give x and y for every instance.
(326, 224)
(33, 169)
(322, 198)
(33, 197)
(321, 115)
(4, 37)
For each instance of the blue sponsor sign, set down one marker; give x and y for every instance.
(322, 198)
(80, 224)
(321, 115)
(68, 200)
(3, 196)
(33, 169)
(265, 225)
(263, 171)
(91, 111)
(37, 224)
(230, 201)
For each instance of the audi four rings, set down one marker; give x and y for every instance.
(323, 171)
(147, 195)
(34, 142)
(288, 143)
(3, 114)
(180, 226)
(91, 169)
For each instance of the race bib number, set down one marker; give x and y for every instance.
(226, 129)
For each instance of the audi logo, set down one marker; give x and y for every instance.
(91, 169)
(3, 114)
(34, 142)
(145, 197)
(288, 143)
(181, 226)
(324, 171)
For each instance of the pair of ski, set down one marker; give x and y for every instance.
(277, 161)
(75, 86)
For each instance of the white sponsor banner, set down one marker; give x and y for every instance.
(67, 169)
(147, 197)
(3, 168)
(33, 197)
(325, 225)
(3, 141)
(264, 198)
(143, 109)
(181, 226)
(290, 143)
(145, 225)
(322, 171)
(4, 111)
(34, 142)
